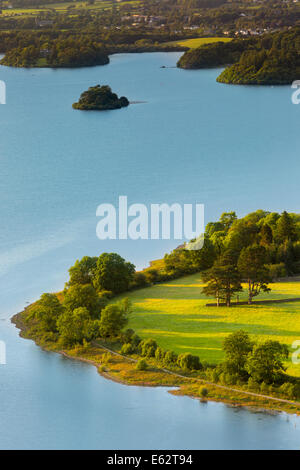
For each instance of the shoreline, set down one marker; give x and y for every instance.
(121, 369)
(137, 50)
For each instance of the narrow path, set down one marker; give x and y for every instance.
(224, 387)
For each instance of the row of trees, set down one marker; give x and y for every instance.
(255, 366)
(58, 41)
(148, 348)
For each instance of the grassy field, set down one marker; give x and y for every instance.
(197, 42)
(176, 316)
(64, 7)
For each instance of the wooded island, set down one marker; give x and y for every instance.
(100, 98)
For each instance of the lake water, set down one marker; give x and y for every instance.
(192, 140)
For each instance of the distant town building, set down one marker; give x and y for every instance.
(42, 23)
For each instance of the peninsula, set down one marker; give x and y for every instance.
(234, 350)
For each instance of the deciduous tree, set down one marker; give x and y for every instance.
(265, 363)
(113, 273)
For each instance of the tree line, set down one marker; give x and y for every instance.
(60, 52)
(177, 14)
(69, 49)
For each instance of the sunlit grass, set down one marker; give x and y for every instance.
(197, 42)
(175, 314)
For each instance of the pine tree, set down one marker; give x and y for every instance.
(251, 267)
(223, 279)
(286, 229)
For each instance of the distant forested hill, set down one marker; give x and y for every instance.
(269, 60)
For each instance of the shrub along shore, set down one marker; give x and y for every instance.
(112, 365)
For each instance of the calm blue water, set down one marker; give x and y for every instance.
(193, 140)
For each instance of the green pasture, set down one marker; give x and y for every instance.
(197, 42)
(176, 316)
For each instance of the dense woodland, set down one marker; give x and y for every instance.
(100, 98)
(272, 59)
(59, 52)
(275, 62)
(215, 54)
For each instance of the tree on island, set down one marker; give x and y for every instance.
(100, 98)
